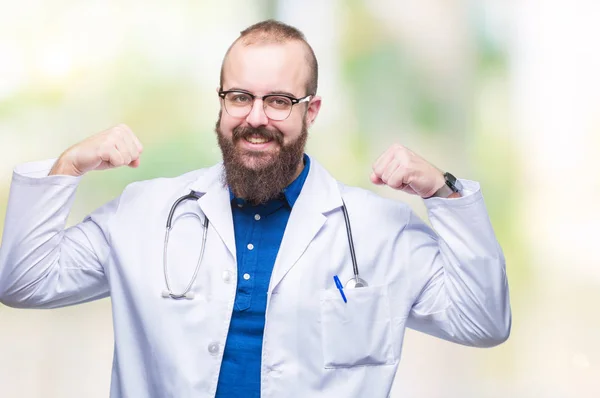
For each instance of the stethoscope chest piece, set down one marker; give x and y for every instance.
(356, 282)
(187, 295)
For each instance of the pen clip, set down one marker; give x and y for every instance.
(340, 287)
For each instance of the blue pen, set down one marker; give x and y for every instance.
(340, 287)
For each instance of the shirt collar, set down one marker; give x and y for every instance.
(292, 191)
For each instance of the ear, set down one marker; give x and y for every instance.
(313, 110)
(219, 98)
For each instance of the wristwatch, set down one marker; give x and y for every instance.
(452, 186)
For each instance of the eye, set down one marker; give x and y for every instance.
(279, 102)
(239, 98)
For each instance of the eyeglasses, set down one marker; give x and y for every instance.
(276, 106)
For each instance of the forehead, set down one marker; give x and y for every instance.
(267, 67)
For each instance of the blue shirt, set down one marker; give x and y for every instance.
(258, 234)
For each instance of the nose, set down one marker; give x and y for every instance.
(257, 116)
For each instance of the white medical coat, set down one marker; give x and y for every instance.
(450, 283)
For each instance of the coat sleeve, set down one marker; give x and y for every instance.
(42, 264)
(460, 272)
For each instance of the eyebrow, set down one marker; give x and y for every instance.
(276, 92)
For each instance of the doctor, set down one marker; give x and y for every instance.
(287, 297)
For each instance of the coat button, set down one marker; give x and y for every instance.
(227, 276)
(213, 348)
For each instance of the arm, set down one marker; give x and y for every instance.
(459, 270)
(42, 264)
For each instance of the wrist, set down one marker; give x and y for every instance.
(63, 166)
(445, 192)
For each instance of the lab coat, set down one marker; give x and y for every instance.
(450, 283)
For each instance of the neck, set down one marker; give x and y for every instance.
(299, 169)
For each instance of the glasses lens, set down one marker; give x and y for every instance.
(277, 107)
(238, 104)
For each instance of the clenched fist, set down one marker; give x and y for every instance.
(115, 147)
(402, 169)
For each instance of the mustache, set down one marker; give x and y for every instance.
(242, 132)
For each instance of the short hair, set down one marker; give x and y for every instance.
(272, 31)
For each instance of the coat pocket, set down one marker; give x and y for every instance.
(359, 332)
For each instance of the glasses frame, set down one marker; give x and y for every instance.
(294, 100)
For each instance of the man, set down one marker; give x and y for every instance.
(304, 286)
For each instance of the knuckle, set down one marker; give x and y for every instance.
(113, 133)
(109, 142)
(402, 160)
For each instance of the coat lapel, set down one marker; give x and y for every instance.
(215, 204)
(319, 195)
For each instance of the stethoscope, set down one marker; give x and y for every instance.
(354, 282)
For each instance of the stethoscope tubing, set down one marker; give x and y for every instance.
(351, 243)
(356, 281)
(187, 293)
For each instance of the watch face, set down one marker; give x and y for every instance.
(452, 182)
(450, 178)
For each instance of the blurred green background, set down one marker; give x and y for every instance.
(505, 93)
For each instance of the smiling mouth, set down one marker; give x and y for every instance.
(254, 139)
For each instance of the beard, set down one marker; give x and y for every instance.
(271, 172)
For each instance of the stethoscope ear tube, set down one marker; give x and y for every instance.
(191, 195)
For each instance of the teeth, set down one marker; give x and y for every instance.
(257, 140)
